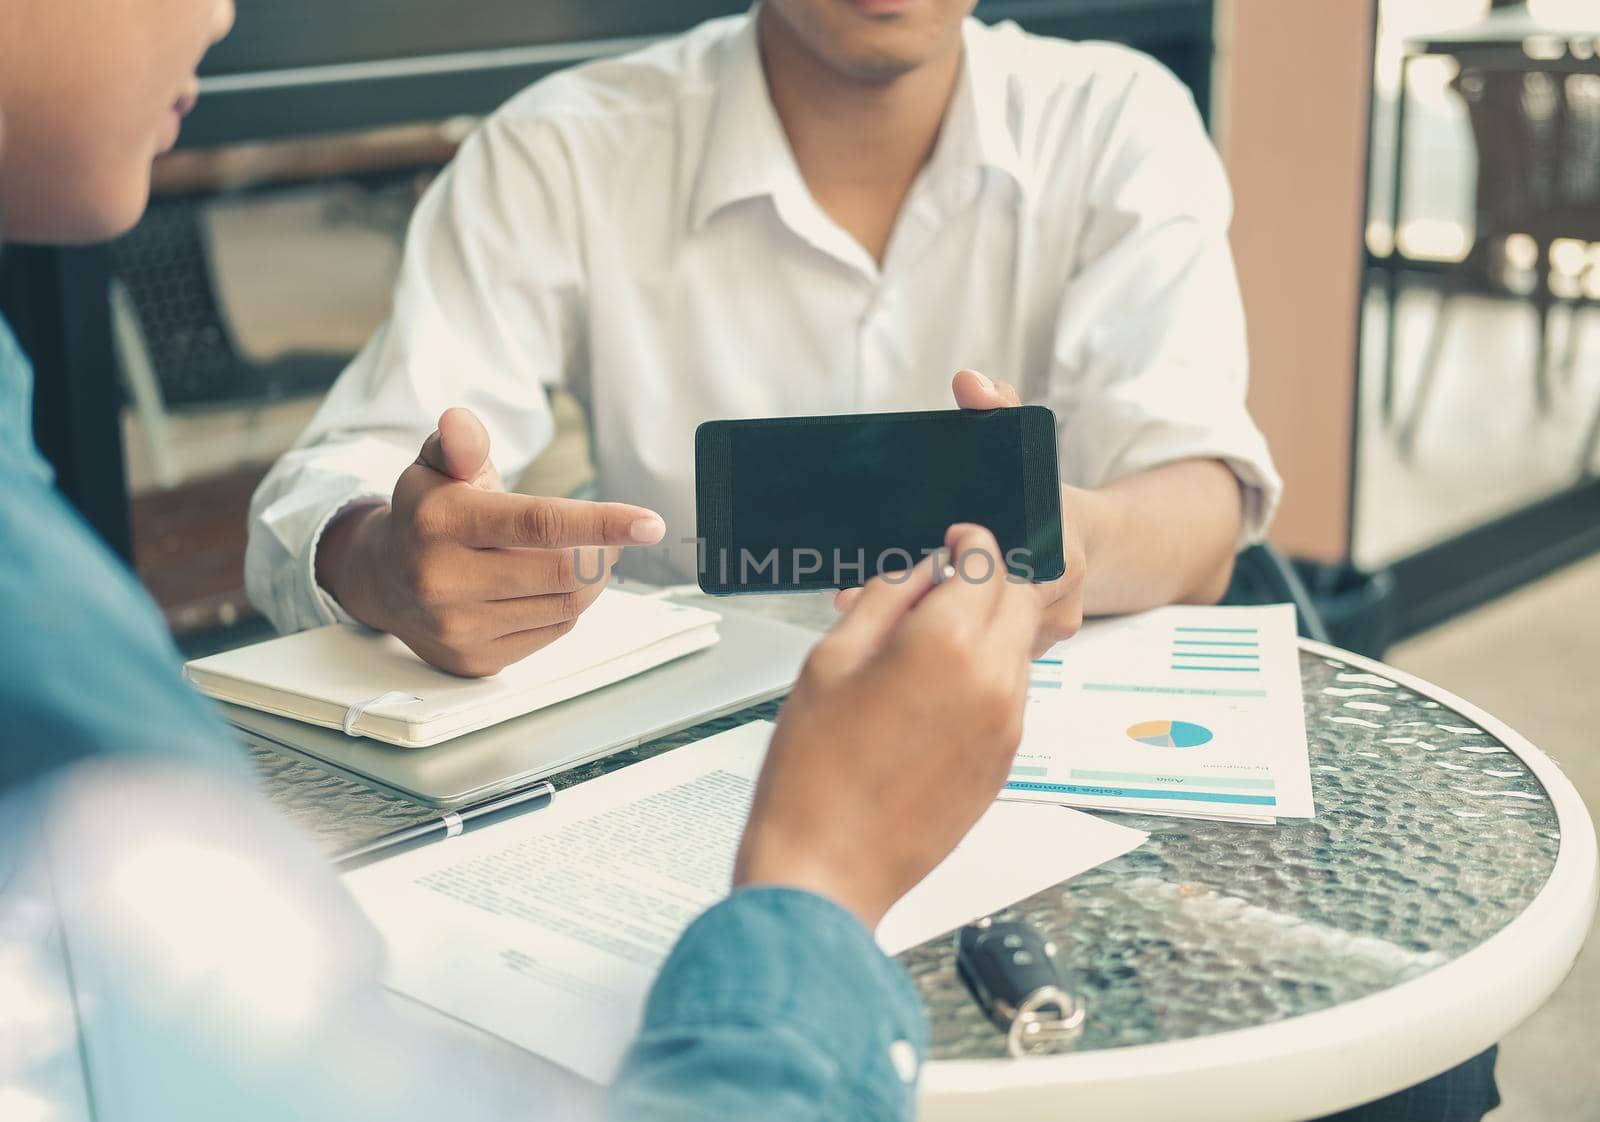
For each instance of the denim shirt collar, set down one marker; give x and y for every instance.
(17, 448)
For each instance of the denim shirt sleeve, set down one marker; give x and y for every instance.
(776, 1004)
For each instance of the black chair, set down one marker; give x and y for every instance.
(164, 268)
(1537, 127)
(1590, 444)
(1262, 575)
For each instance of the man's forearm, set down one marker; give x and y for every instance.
(1162, 536)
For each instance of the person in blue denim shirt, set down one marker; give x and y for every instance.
(171, 948)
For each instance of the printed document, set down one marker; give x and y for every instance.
(547, 930)
(1191, 711)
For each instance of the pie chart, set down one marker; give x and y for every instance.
(1169, 734)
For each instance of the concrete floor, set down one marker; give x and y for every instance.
(1533, 660)
(1484, 448)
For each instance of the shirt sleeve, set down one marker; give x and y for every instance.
(485, 315)
(1149, 363)
(776, 1004)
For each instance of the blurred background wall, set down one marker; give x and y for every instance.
(1293, 91)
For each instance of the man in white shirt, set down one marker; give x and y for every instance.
(825, 206)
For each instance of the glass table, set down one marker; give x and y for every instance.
(1236, 971)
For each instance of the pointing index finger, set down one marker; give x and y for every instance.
(493, 520)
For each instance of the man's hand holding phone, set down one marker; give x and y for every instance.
(1062, 599)
(899, 734)
(469, 577)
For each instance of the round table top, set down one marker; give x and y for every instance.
(1243, 971)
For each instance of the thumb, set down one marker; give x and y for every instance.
(974, 391)
(459, 447)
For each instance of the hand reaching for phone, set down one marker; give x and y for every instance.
(898, 736)
(469, 577)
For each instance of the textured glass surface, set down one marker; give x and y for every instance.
(1430, 836)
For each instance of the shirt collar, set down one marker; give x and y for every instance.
(747, 155)
(979, 118)
(16, 408)
(16, 391)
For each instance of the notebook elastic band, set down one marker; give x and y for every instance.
(354, 713)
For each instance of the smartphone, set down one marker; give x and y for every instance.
(795, 503)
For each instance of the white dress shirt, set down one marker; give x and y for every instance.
(637, 230)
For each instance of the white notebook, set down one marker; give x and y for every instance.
(369, 684)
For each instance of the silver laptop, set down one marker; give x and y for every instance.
(755, 660)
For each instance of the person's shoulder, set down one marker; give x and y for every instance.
(57, 581)
(90, 667)
(624, 95)
(1091, 78)
(1083, 115)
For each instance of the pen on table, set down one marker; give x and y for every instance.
(447, 825)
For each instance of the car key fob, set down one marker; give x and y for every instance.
(1012, 971)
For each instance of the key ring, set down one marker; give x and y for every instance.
(1047, 1016)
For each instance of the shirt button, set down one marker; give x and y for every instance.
(903, 1055)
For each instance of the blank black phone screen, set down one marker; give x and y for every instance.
(835, 501)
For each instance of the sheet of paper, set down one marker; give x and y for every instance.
(1007, 857)
(1193, 711)
(548, 930)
